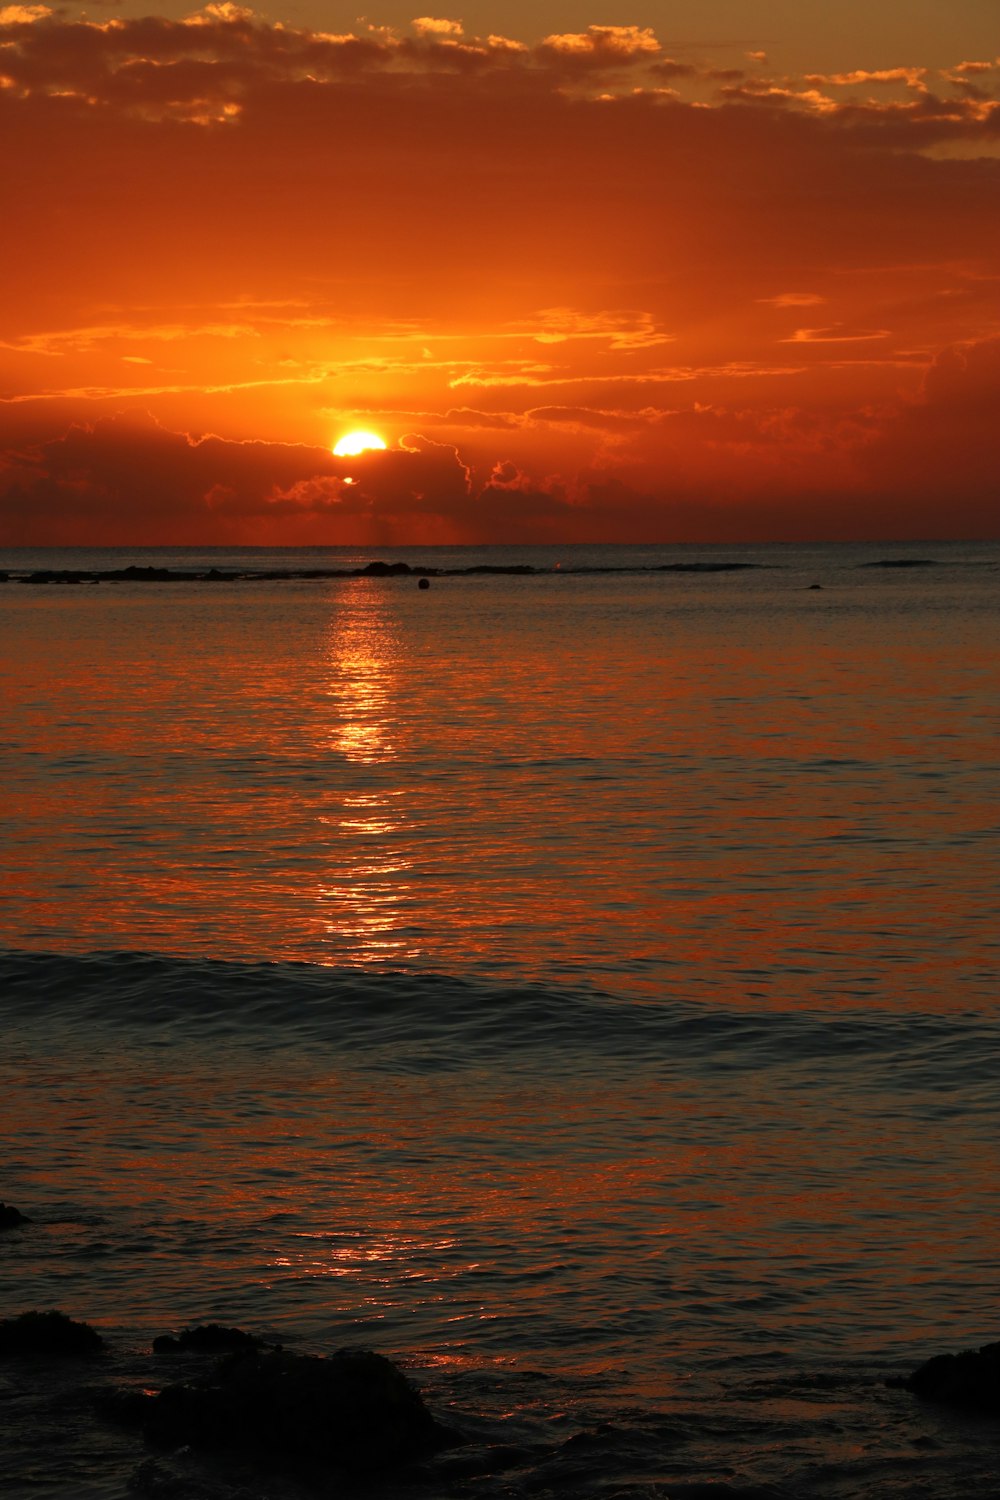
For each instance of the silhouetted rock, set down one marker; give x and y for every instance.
(135, 574)
(815, 585)
(207, 1338)
(970, 1379)
(385, 570)
(11, 1217)
(424, 583)
(47, 1333)
(354, 1410)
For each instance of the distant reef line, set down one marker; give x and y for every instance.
(136, 574)
(149, 574)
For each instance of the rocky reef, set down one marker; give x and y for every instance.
(47, 1334)
(969, 1379)
(351, 1412)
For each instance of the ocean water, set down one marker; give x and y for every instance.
(579, 984)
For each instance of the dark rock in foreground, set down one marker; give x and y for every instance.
(970, 1379)
(11, 1217)
(47, 1333)
(354, 1410)
(207, 1338)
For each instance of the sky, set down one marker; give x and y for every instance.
(651, 272)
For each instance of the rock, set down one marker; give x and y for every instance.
(207, 1338)
(354, 1410)
(136, 574)
(384, 570)
(970, 1379)
(47, 1333)
(11, 1217)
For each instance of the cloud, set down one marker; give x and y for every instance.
(464, 416)
(435, 26)
(128, 477)
(793, 299)
(587, 417)
(397, 222)
(601, 46)
(621, 330)
(58, 342)
(23, 15)
(836, 335)
(938, 455)
(913, 78)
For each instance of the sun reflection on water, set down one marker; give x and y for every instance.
(363, 682)
(380, 1262)
(367, 889)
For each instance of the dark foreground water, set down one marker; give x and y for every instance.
(581, 987)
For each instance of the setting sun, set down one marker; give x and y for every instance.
(357, 442)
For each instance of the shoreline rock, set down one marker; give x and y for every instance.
(48, 1334)
(353, 1410)
(969, 1380)
(207, 1338)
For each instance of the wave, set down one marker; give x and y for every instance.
(428, 1022)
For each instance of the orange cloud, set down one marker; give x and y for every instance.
(435, 26)
(600, 46)
(267, 233)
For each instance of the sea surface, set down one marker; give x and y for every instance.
(576, 979)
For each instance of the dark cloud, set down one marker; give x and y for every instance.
(940, 454)
(224, 54)
(129, 477)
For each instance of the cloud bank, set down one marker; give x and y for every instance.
(585, 288)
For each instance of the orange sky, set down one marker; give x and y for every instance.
(586, 285)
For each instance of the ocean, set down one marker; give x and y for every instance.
(575, 979)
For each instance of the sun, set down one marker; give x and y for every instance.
(353, 443)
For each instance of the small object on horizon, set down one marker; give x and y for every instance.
(815, 586)
(424, 583)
